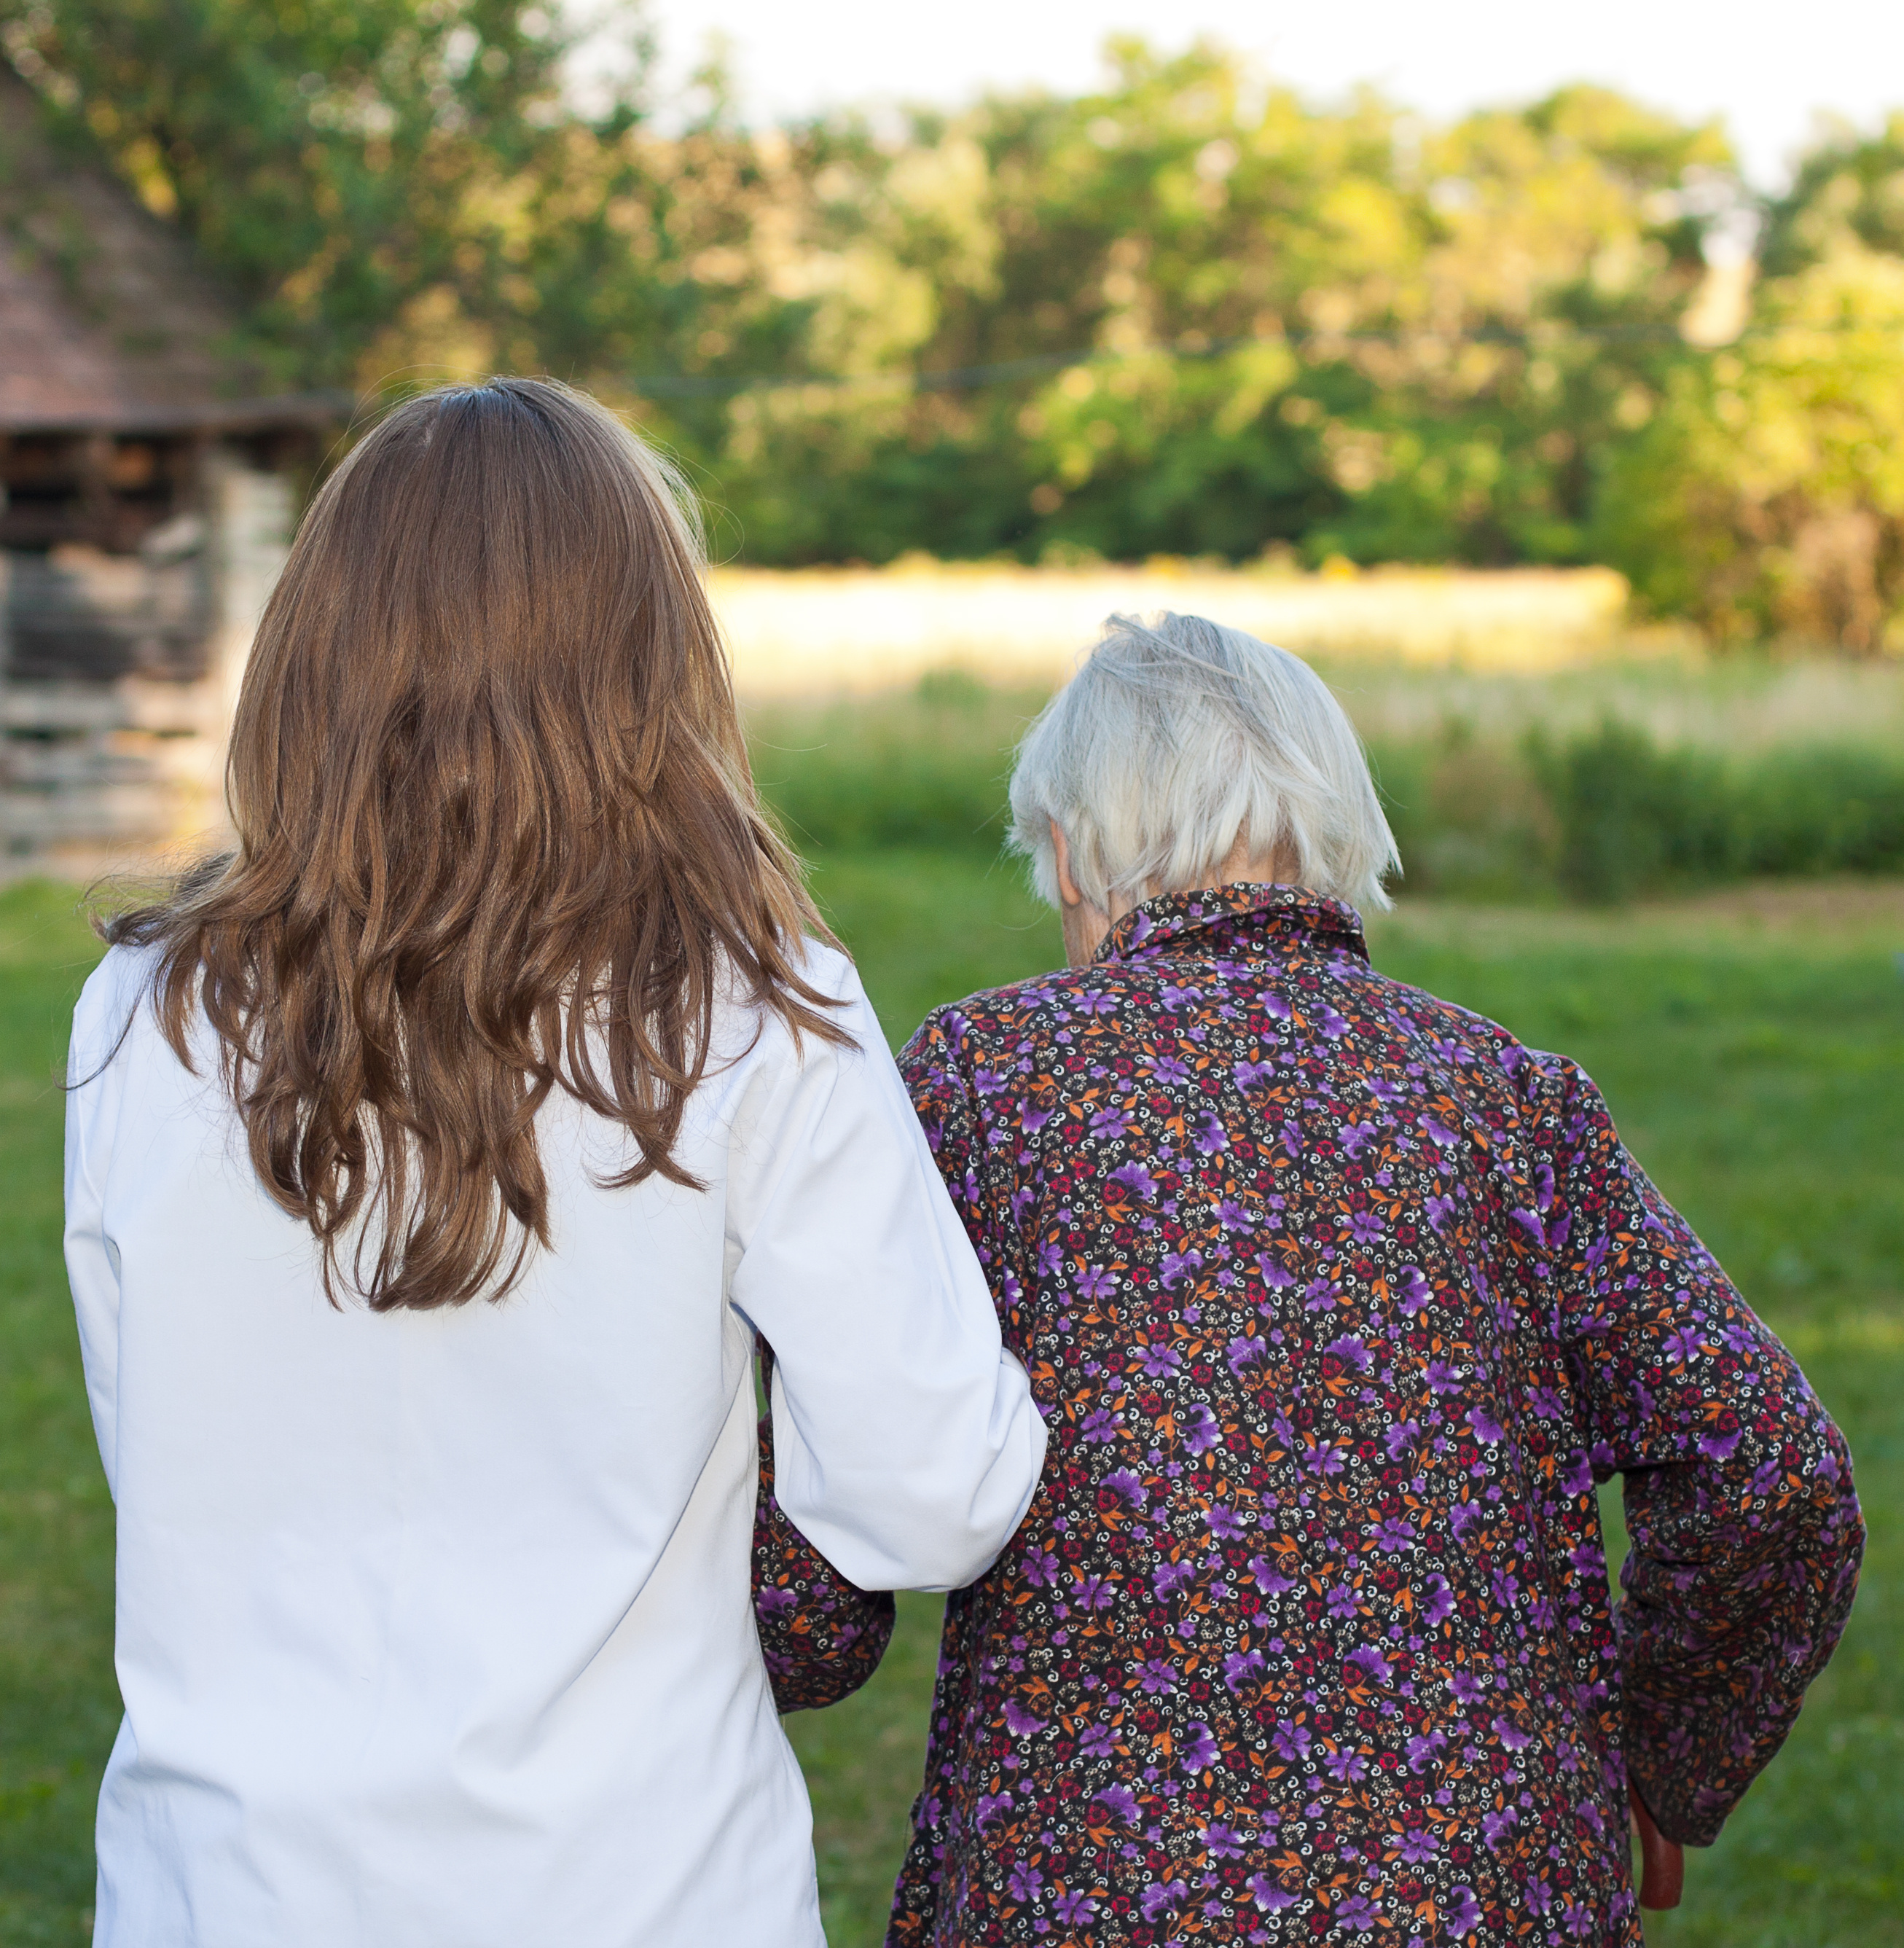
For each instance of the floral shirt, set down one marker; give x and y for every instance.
(1338, 1303)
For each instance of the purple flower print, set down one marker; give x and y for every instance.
(1126, 1486)
(771, 1602)
(1355, 1139)
(1270, 1579)
(1025, 1881)
(1136, 1179)
(1400, 1436)
(1273, 1275)
(1018, 1721)
(1291, 1741)
(1415, 1844)
(1245, 1351)
(1199, 1750)
(1423, 1750)
(1320, 1296)
(1074, 1908)
(1512, 1738)
(1210, 1135)
(1095, 1283)
(1179, 1268)
(1268, 1895)
(1169, 1577)
(1157, 1677)
(1253, 1074)
(1439, 1209)
(1156, 1362)
(1240, 1667)
(1486, 1423)
(1041, 1569)
(1466, 1687)
(1100, 1424)
(1439, 1606)
(1365, 1227)
(1095, 1592)
(1162, 1897)
(1460, 1915)
(1497, 1826)
(1342, 1599)
(1169, 1070)
(1356, 1911)
(1394, 1535)
(1120, 1802)
(1201, 1432)
(1719, 1447)
(1373, 1662)
(1347, 1767)
(1437, 1132)
(990, 1806)
(1098, 1742)
(1353, 1350)
(1223, 1522)
(1220, 1840)
(1412, 1291)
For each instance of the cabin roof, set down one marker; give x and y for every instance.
(107, 322)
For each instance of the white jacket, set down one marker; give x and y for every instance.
(434, 1629)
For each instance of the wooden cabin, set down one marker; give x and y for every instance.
(147, 482)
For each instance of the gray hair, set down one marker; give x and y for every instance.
(1177, 740)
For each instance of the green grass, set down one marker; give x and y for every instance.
(1753, 1053)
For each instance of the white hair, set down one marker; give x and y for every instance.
(1179, 739)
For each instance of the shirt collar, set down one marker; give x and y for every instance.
(1241, 918)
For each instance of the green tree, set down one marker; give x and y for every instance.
(1766, 498)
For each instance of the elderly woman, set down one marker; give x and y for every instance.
(1338, 1302)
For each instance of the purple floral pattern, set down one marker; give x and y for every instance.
(1339, 1302)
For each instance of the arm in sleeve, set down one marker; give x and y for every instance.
(906, 1443)
(821, 1636)
(91, 1257)
(1745, 1530)
(948, 1107)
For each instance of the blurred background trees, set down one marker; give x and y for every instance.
(1191, 314)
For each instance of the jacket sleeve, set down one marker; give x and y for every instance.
(1744, 1528)
(821, 1636)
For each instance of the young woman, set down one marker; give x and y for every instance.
(432, 1161)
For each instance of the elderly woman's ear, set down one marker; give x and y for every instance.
(1084, 925)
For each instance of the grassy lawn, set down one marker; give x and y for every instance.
(1752, 1046)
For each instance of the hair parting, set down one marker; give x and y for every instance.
(497, 836)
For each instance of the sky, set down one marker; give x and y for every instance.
(1767, 66)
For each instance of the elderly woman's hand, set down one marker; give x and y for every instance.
(1662, 1876)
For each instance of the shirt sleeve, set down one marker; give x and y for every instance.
(93, 1088)
(1744, 1528)
(906, 1443)
(947, 1106)
(821, 1637)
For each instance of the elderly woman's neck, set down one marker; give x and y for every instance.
(1086, 924)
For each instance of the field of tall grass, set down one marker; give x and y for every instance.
(1749, 1039)
(1598, 782)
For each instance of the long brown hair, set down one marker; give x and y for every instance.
(496, 836)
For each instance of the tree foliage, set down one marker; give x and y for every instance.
(1189, 313)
